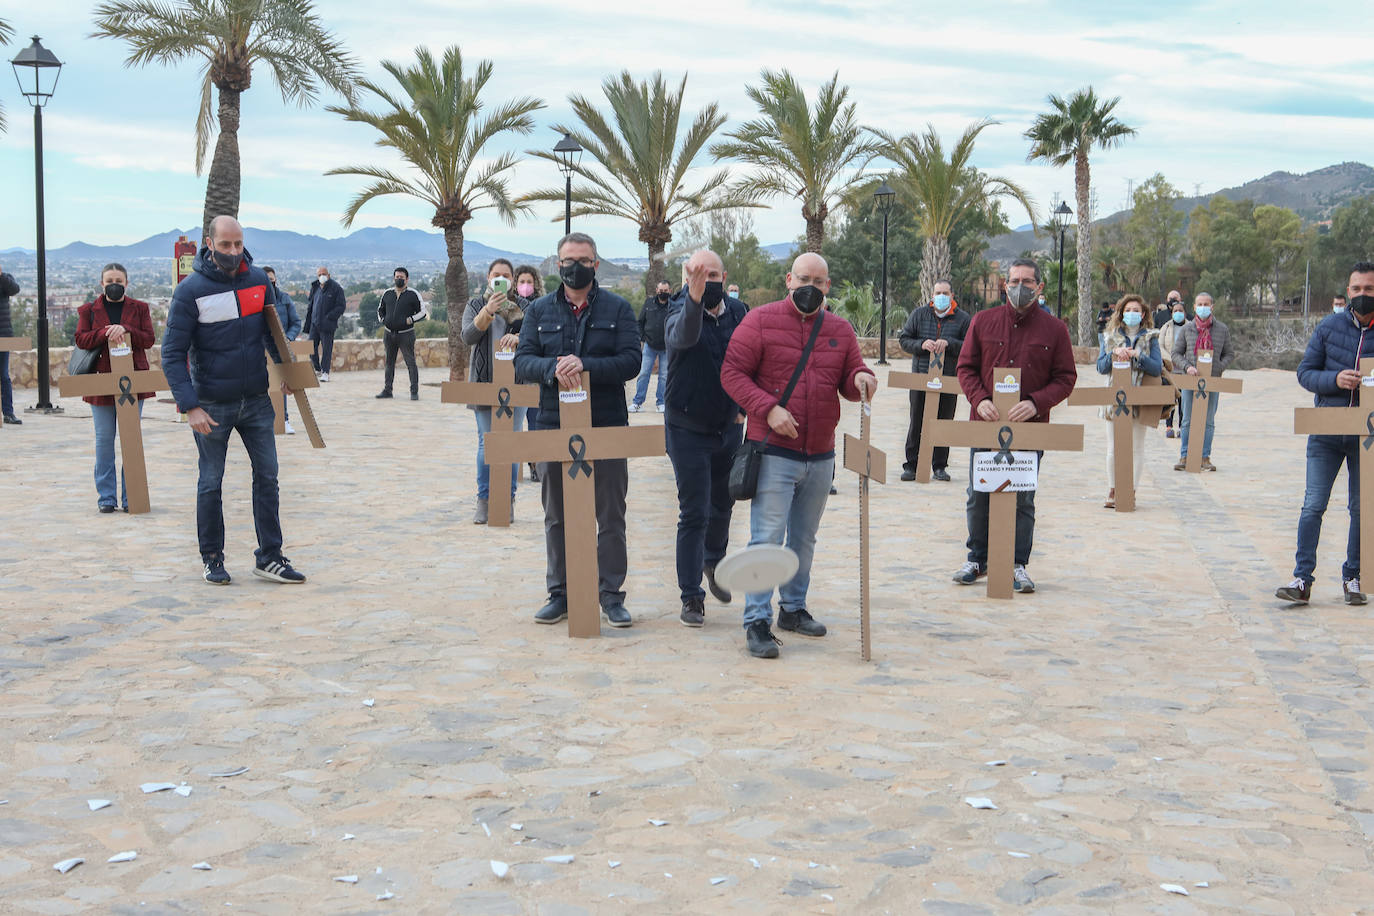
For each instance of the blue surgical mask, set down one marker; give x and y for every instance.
(1203, 311)
(942, 302)
(1131, 319)
(1179, 318)
(1338, 309)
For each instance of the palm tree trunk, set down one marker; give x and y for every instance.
(456, 289)
(658, 270)
(935, 265)
(815, 233)
(222, 186)
(1085, 244)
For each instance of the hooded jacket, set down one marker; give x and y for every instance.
(696, 343)
(216, 320)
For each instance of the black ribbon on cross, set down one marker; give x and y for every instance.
(1004, 446)
(937, 363)
(1369, 425)
(126, 391)
(1121, 407)
(577, 450)
(503, 396)
(1202, 391)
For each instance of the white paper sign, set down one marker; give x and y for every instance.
(576, 396)
(1117, 364)
(992, 476)
(1204, 356)
(505, 355)
(122, 350)
(935, 384)
(1367, 381)
(1008, 385)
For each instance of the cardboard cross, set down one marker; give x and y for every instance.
(1351, 421)
(296, 374)
(1202, 386)
(577, 445)
(1119, 397)
(868, 462)
(934, 382)
(124, 383)
(501, 394)
(1006, 436)
(275, 382)
(10, 344)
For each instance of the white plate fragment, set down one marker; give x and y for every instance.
(813, 865)
(658, 823)
(755, 862)
(150, 787)
(1019, 855)
(95, 804)
(225, 774)
(559, 860)
(721, 880)
(347, 836)
(499, 869)
(1174, 889)
(126, 856)
(613, 864)
(183, 790)
(387, 896)
(67, 865)
(984, 804)
(347, 879)
(486, 828)
(201, 866)
(369, 702)
(1202, 884)
(517, 826)
(995, 763)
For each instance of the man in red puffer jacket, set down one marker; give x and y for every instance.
(799, 457)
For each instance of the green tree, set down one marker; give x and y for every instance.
(859, 306)
(440, 129)
(1067, 133)
(811, 155)
(730, 234)
(68, 332)
(6, 33)
(1350, 241)
(855, 253)
(942, 191)
(230, 36)
(1155, 231)
(367, 313)
(643, 164)
(1226, 250)
(1285, 244)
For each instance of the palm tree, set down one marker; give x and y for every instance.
(943, 191)
(440, 130)
(230, 36)
(1067, 133)
(800, 152)
(6, 33)
(643, 166)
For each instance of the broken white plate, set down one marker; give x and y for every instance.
(201, 866)
(715, 881)
(347, 836)
(658, 823)
(1019, 855)
(1202, 884)
(95, 804)
(613, 864)
(369, 702)
(517, 826)
(813, 865)
(347, 879)
(984, 804)
(127, 856)
(486, 828)
(757, 569)
(67, 865)
(1174, 889)
(499, 869)
(183, 790)
(387, 896)
(225, 774)
(995, 763)
(150, 787)
(755, 863)
(559, 860)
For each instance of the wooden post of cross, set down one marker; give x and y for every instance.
(1202, 386)
(1351, 421)
(124, 383)
(1005, 436)
(934, 382)
(297, 375)
(275, 383)
(577, 445)
(1119, 397)
(868, 462)
(502, 395)
(11, 344)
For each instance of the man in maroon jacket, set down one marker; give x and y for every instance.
(1021, 336)
(799, 458)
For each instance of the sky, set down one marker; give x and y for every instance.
(1220, 93)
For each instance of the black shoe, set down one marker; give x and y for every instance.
(384, 394)
(12, 420)
(833, 491)
(105, 510)
(1351, 588)
(616, 615)
(940, 474)
(534, 473)
(553, 612)
(215, 572)
(800, 622)
(415, 395)
(693, 612)
(758, 636)
(278, 570)
(718, 591)
(908, 474)
(1298, 591)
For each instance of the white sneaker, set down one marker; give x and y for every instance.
(290, 430)
(324, 376)
(635, 408)
(1020, 582)
(661, 408)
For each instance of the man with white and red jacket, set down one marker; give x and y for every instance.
(799, 438)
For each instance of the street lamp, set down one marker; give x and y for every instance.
(884, 197)
(569, 153)
(37, 69)
(1060, 221)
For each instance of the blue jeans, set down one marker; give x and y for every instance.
(106, 423)
(483, 469)
(253, 419)
(6, 385)
(1186, 415)
(1325, 455)
(788, 505)
(701, 464)
(646, 368)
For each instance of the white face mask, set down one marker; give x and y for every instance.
(324, 278)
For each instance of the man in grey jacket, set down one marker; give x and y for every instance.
(936, 329)
(1206, 336)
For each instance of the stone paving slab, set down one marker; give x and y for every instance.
(1159, 718)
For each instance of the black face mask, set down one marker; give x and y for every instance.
(577, 276)
(713, 294)
(400, 283)
(114, 292)
(229, 263)
(662, 297)
(1362, 306)
(808, 299)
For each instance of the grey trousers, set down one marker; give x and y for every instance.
(611, 479)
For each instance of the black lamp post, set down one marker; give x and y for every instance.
(569, 153)
(37, 69)
(1060, 221)
(884, 197)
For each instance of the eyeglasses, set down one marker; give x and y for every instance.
(569, 262)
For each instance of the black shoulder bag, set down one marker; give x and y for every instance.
(744, 473)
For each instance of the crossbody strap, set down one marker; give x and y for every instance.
(797, 372)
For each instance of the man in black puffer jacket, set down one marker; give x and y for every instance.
(652, 322)
(703, 427)
(937, 328)
(8, 287)
(398, 311)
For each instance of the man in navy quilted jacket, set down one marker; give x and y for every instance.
(216, 319)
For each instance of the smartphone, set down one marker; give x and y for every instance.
(500, 284)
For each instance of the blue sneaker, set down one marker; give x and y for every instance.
(215, 573)
(278, 570)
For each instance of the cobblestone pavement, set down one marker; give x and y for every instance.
(1151, 716)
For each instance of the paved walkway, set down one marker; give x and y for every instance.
(1158, 717)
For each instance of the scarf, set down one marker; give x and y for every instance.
(1204, 333)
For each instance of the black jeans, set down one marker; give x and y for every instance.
(939, 458)
(701, 464)
(976, 511)
(611, 481)
(404, 342)
(323, 355)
